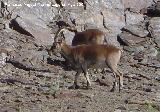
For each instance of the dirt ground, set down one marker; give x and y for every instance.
(32, 82)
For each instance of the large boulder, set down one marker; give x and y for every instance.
(129, 39)
(31, 18)
(39, 34)
(114, 20)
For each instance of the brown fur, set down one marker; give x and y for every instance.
(89, 36)
(90, 56)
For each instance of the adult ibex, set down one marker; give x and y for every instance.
(90, 56)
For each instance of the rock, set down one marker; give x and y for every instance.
(117, 110)
(135, 49)
(154, 10)
(151, 52)
(29, 27)
(137, 30)
(157, 41)
(133, 18)
(151, 62)
(87, 17)
(137, 4)
(157, 78)
(68, 36)
(2, 26)
(117, 24)
(139, 48)
(139, 56)
(153, 28)
(157, 8)
(30, 8)
(7, 109)
(44, 88)
(130, 39)
(112, 39)
(3, 57)
(106, 4)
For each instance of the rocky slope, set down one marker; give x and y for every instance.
(31, 81)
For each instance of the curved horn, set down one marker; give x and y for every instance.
(58, 32)
(62, 29)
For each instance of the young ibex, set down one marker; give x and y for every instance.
(89, 36)
(90, 56)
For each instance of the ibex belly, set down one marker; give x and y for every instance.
(98, 64)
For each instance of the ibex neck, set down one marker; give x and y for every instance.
(66, 50)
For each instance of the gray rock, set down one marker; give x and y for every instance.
(38, 33)
(154, 25)
(68, 36)
(137, 30)
(133, 18)
(32, 8)
(130, 39)
(137, 4)
(107, 4)
(151, 52)
(157, 41)
(157, 8)
(2, 26)
(87, 17)
(112, 39)
(3, 57)
(117, 24)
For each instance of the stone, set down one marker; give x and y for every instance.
(3, 57)
(37, 32)
(153, 28)
(68, 36)
(117, 110)
(2, 26)
(117, 24)
(151, 52)
(137, 4)
(133, 18)
(137, 30)
(157, 41)
(32, 8)
(112, 39)
(130, 39)
(86, 17)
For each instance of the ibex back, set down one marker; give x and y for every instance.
(89, 36)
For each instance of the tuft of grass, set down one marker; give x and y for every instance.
(55, 86)
(151, 107)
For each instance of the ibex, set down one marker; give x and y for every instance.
(90, 56)
(89, 36)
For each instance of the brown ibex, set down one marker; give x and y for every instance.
(89, 36)
(90, 56)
